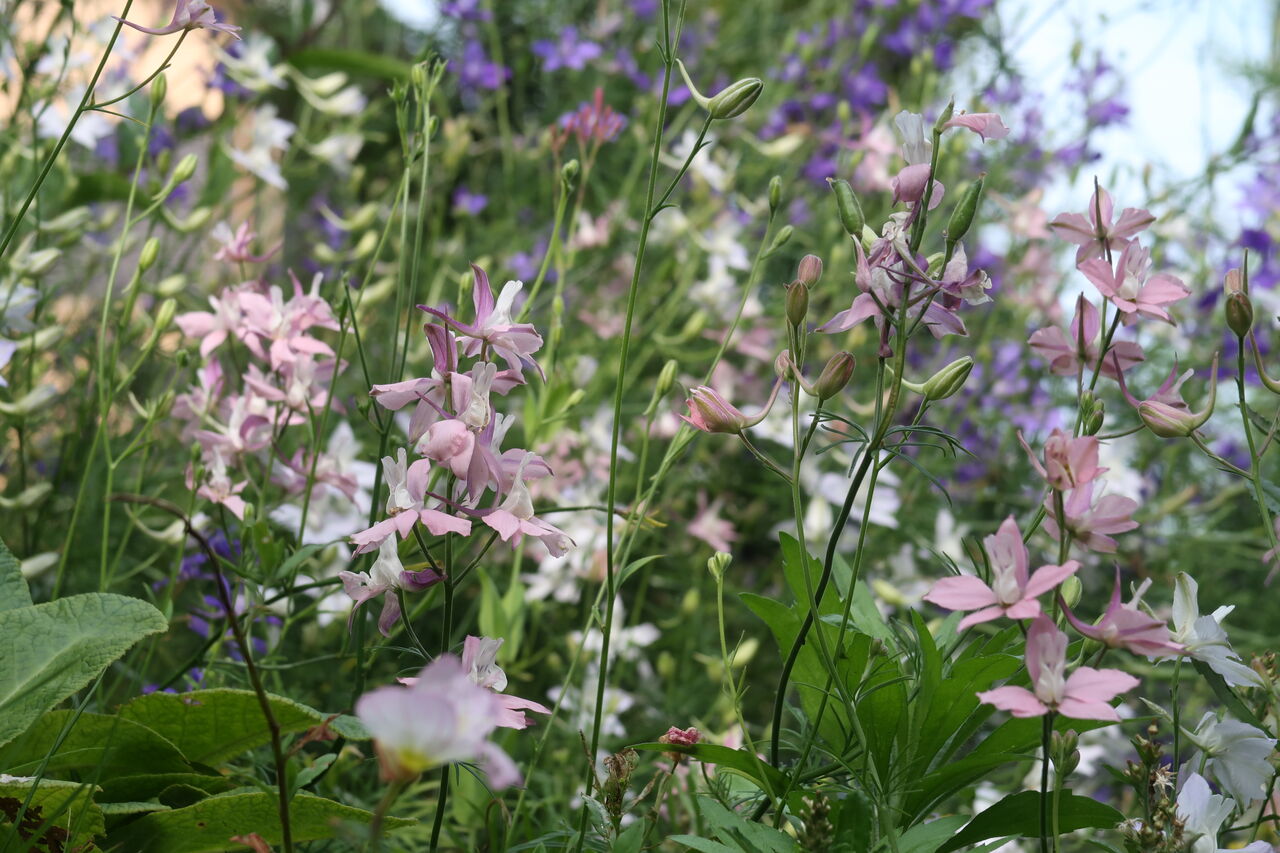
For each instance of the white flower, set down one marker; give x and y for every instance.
(916, 149)
(252, 67)
(269, 134)
(339, 150)
(1204, 637)
(1237, 755)
(1204, 812)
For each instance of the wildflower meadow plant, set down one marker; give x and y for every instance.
(316, 537)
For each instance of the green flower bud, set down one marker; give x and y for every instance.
(736, 98)
(159, 88)
(147, 257)
(186, 168)
(418, 75)
(569, 172)
(1071, 590)
(949, 380)
(835, 376)
(962, 216)
(718, 564)
(945, 116)
(1093, 420)
(797, 302)
(1239, 311)
(783, 236)
(848, 208)
(775, 193)
(667, 378)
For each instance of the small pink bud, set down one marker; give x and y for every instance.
(810, 270)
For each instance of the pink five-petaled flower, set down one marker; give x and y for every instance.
(1090, 234)
(1068, 355)
(987, 125)
(710, 412)
(235, 247)
(480, 660)
(1132, 288)
(494, 327)
(385, 577)
(442, 719)
(1068, 462)
(406, 487)
(1091, 522)
(1126, 626)
(1012, 593)
(515, 518)
(1165, 412)
(217, 487)
(187, 15)
(1084, 695)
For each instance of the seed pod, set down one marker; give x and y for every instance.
(962, 216)
(848, 208)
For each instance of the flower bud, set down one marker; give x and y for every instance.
(1239, 311)
(1093, 419)
(782, 238)
(1168, 421)
(147, 257)
(782, 366)
(418, 75)
(1234, 282)
(718, 564)
(159, 88)
(835, 376)
(810, 270)
(185, 169)
(848, 208)
(569, 172)
(775, 193)
(666, 378)
(1071, 590)
(736, 98)
(962, 216)
(949, 380)
(797, 302)
(947, 112)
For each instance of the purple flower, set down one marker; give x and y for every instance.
(465, 10)
(469, 203)
(569, 52)
(476, 71)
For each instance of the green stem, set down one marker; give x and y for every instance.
(1047, 732)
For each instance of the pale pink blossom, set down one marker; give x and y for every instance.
(493, 327)
(211, 328)
(1012, 592)
(187, 15)
(1165, 412)
(275, 330)
(987, 125)
(217, 486)
(515, 518)
(406, 488)
(1091, 522)
(710, 412)
(443, 718)
(235, 246)
(1068, 462)
(1067, 355)
(709, 526)
(385, 577)
(1132, 288)
(1126, 626)
(1086, 694)
(480, 660)
(1091, 233)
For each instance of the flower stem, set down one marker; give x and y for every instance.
(1044, 782)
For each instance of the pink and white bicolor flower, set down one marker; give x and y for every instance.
(1011, 593)
(406, 487)
(385, 577)
(187, 15)
(480, 660)
(1084, 695)
(1092, 233)
(1068, 462)
(1128, 627)
(1132, 288)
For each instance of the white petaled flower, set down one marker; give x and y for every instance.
(269, 135)
(252, 67)
(1204, 638)
(1237, 755)
(1203, 813)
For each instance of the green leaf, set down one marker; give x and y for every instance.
(210, 726)
(112, 809)
(207, 826)
(60, 803)
(1227, 696)
(147, 786)
(54, 649)
(732, 827)
(1019, 814)
(632, 838)
(703, 845)
(782, 620)
(351, 61)
(753, 767)
(114, 745)
(925, 837)
(13, 586)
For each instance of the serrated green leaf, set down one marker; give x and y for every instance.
(59, 802)
(54, 649)
(111, 744)
(208, 826)
(13, 586)
(210, 726)
(1019, 814)
(703, 845)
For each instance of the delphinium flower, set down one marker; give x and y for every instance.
(1127, 626)
(1203, 636)
(1013, 592)
(1068, 462)
(1131, 287)
(1203, 813)
(1237, 754)
(480, 661)
(1165, 412)
(1091, 518)
(1066, 354)
(187, 15)
(268, 134)
(1085, 694)
(570, 51)
(1093, 230)
(443, 718)
(593, 123)
(236, 247)
(385, 577)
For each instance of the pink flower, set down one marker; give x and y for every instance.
(1165, 412)
(909, 186)
(406, 487)
(235, 247)
(1067, 357)
(708, 526)
(493, 327)
(187, 15)
(682, 737)
(1012, 593)
(1084, 695)
(957, 280)
(212, 328)
(1090, 234)
(274, 330)
(1091, 522)
(451, 443)
(1131, 288)
(479, 659)
(443, 718)
(1068, 462)
(987, 125)
(217, 487)
(710, 412)
(515, 518)
(1125, 626)
(385, 577)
